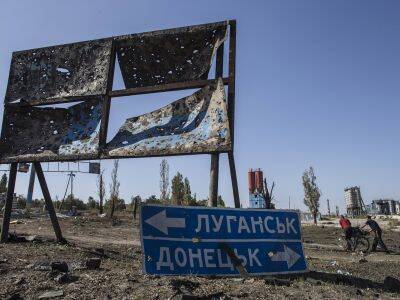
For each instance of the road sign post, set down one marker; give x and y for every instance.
(180, 240)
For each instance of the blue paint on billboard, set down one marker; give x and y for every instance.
(212, 241)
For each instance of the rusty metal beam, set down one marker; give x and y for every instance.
(49, 203)
(214, 174)
(214, 168)
(231, 108)
(235, 188)
(8, 203)
(232, 77)
(169, 87)
(107, 101)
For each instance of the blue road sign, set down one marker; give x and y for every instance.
(180, 240)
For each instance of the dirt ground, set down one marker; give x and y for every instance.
(25, 271)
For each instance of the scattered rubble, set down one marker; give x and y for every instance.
(35, 269)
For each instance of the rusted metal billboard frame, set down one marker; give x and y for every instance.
(106, 104)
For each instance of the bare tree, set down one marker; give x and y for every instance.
(164, 181)
(268, 195)
(101, 190)
(135, 203)
(114, 187)
(311, 192)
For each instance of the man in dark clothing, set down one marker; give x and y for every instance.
(346, 226)
(377, 234)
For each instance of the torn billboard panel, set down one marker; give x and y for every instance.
(36, 133)
(43, 75)
(168, 56)
(194, 124)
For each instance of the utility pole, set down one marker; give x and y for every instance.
(30, 188)
(72, 175)
(329, 207)
(289, 202)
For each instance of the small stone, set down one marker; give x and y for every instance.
(251, 280)
(392, 284)
(52, 294)
(313, 281)
(19, 281)
(59, 266)
(32, 238)
(15, 296)
(362, 260)
(93, 263)
(277, 281)
(62, 278)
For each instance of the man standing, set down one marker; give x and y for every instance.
(346, 226)
(377, 234)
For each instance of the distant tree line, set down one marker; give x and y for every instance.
(179, 194)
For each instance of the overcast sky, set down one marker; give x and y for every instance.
(317, 84)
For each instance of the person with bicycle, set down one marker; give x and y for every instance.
(377, 234)
(348, 230)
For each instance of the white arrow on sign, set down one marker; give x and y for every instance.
(161, 222)
(287, 255)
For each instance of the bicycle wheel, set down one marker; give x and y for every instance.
(363, 244)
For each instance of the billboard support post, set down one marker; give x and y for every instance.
(8, 203)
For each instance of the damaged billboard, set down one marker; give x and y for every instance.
(80, 75)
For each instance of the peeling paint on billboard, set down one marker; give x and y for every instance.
(194, 124)
(155, 58)
(44, 133)
(43, 75)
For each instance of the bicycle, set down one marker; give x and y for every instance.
(359, 239)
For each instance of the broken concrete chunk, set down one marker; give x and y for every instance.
(52, 294)
(59, 266)
(93, 263)
(15, 296)
(391, 284)
(19, 281)
(65, 278)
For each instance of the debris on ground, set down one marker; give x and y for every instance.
(391, 284)
(65, 278)
(16, 222)
(61, 266)
(28, 271)
(51, 294)
(93, 263)
(343, 272)
(278, 281)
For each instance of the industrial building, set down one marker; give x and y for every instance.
(354, 202)
(256, 189)
(384, 207)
